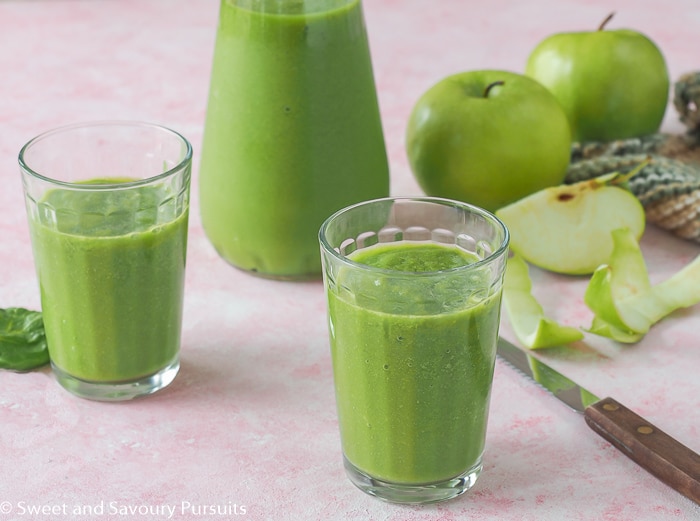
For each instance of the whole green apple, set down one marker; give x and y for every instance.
(612, 84)
(487, 138)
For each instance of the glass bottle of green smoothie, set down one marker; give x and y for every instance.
(292, 131)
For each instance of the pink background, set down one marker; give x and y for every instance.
(250, 423)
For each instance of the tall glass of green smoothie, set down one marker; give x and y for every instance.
(292, 133)
(108, 204)
(414, 293)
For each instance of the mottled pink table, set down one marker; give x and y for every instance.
(248, 429)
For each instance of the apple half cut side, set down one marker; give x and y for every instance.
(624, 303)
(567, 228)
(526, 315)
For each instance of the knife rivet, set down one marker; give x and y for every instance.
(610, 407)
(645, 429)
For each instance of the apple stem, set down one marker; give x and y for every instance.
(605, 22)
(491, 86)
(626, 177)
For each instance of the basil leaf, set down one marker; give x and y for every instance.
(22, 340)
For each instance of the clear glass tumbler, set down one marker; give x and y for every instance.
(414, 293)
(108, 206)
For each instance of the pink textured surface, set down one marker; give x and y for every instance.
(249, 424)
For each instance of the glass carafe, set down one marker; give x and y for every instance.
(293, 131)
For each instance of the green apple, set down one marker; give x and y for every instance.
(567, 229)
(487, 138)
(613, 84)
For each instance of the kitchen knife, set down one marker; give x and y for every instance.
(650, 447)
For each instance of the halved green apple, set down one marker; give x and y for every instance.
(526, 315)
(567, 229)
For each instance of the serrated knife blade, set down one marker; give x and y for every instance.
(658, 453)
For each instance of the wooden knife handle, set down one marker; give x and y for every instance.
(650, 447)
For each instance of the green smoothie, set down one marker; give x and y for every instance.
(413, 362)
(292, 132)
(111, 269)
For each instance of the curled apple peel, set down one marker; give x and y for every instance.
(526, 315)
(624, 303)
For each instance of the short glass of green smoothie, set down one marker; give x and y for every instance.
(414, 297)
(108, 205)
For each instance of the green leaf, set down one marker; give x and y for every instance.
(22, 340)
(526, 315)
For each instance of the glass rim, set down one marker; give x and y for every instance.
(187, 157)
(500, 251)
(277, 8)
